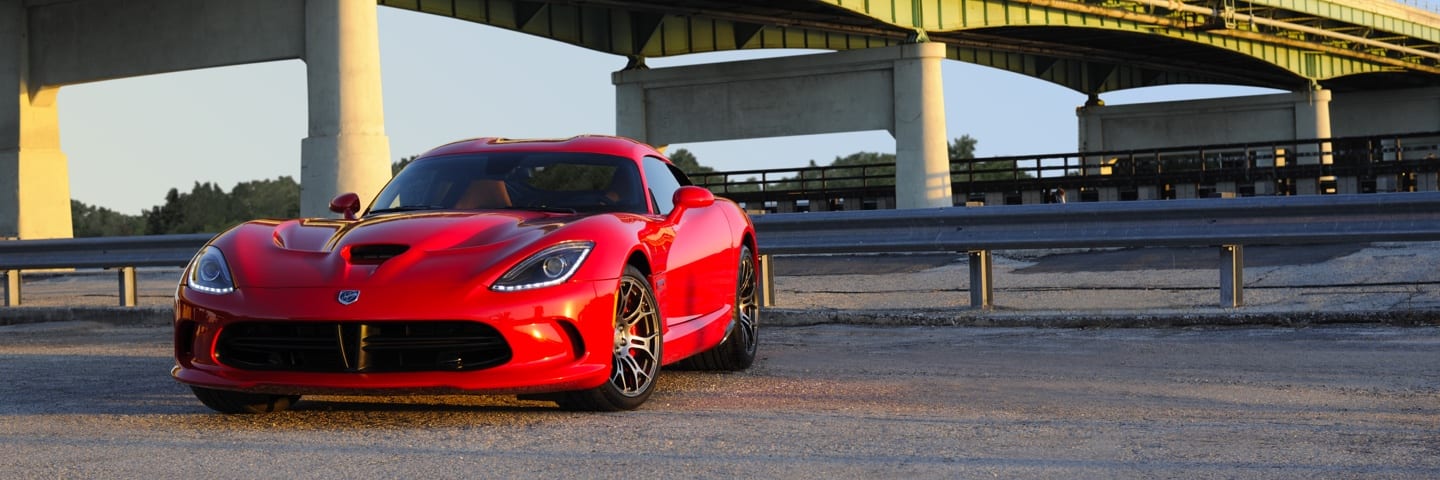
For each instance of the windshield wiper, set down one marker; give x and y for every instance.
(408, 208)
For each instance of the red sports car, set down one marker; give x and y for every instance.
(568, 270)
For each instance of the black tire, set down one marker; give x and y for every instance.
(635, 360)
(737, 351)
(225, 401)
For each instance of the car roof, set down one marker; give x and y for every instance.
(602, 144)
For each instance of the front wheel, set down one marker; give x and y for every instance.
(225, 401)
(635, 360)
(737, 350)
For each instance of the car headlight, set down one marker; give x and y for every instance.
(210, 274)
(549, 267)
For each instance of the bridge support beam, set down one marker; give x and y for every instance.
(34, 174)
(347, 150)
(922, 159)
(896, 89)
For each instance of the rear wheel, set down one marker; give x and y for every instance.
(225, 401)
(635, 359)
(737, 350)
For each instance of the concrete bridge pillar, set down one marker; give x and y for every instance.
(1312, 120)
(897, 89)
(347, 150)
(34, 175)
(922, 159)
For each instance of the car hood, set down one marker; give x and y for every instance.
(418, 249)
(424, 231)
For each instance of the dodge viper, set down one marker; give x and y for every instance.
(568, 270)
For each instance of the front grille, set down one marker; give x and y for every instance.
(397, 346)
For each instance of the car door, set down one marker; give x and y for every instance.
(696, 278)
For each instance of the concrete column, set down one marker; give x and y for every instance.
(34, 174)
(922, 159)
(1312, 120)
(630, 111)
(347, 150)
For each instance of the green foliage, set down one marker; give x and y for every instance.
(207, 208)
(857, 170)
(686, 162)
(964, 168)
(572, 177)
(401, 163)
(92, 221)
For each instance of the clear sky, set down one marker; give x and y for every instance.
(131, 140)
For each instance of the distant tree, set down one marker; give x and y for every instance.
(964, 167)
(92, 221)
(208, 208)
(962, 148)
(164, 218)
(278, 198)
(400, 164)
(686, 162)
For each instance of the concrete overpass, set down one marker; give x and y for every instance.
(884, 75)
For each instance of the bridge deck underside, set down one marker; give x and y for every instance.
(1088, 46)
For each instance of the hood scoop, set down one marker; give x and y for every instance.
(373, 254)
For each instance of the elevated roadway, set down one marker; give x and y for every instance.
(1088, 46)
(884, 75)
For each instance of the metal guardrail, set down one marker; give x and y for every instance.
(1228, 224)
(120, 253)
(1225, 223)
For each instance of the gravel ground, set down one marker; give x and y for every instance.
(93, 400)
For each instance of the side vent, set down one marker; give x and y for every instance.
(375, 254)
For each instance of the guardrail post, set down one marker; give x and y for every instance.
(1232, 276)
(129, 292)
(12, 288)
(981, 293)
(767, 273)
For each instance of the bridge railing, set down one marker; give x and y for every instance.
(1229, 224)
(1369, 164)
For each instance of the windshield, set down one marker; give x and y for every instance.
(566, 181)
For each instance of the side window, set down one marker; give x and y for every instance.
(663, 183)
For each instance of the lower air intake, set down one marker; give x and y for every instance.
(394, 346)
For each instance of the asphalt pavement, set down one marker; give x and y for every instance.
(1390, 283)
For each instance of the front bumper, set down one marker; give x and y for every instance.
(558, 338)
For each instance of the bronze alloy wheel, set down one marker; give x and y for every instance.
(637, 339)
(636, 351)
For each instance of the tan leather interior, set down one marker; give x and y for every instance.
(484, 193)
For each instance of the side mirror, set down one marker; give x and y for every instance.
(691, 196)
(347, 204)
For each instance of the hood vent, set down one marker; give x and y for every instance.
(375, 254)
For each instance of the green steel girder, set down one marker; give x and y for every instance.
(1091, 46)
